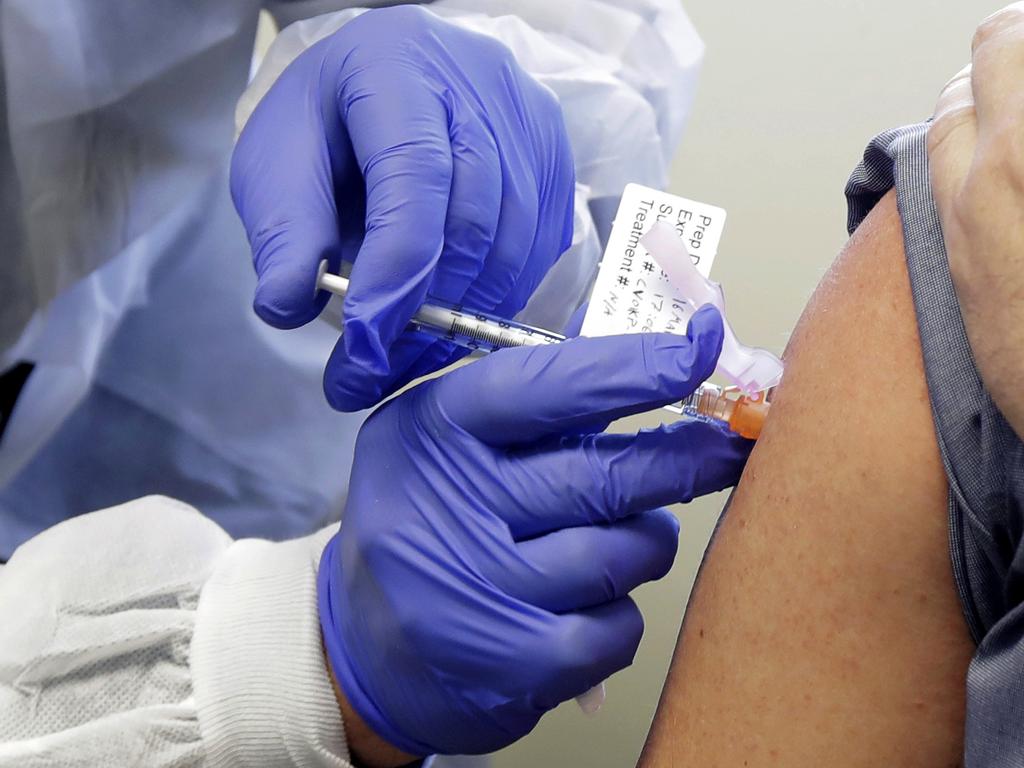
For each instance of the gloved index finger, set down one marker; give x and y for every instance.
(517, 396)
(399, 132)
(281, 184)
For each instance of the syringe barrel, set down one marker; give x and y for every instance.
(476, 330)
(471, 330)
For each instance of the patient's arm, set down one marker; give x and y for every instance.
(825, 629)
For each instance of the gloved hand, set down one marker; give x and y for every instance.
(422, 153)
(489, 541)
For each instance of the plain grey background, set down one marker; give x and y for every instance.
(791, 92)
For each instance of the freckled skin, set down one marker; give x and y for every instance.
(825, 629)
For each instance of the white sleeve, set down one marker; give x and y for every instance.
(142, 634)
(625, 73)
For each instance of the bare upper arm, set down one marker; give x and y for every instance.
(825, 627)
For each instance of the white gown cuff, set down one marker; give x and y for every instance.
(262, 689)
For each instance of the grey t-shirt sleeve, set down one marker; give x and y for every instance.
(983, 457)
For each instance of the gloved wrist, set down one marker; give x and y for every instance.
(364, 722)
(366, 748)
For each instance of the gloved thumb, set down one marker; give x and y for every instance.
(522, 395)
(282, 187)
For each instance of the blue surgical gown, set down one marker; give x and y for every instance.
(125, 279)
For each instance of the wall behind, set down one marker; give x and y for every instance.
(792, 91)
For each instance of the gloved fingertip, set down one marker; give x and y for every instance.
(666, 529)
(343, 396)
(667, 523)
(706, 321)
(604, 639)
(706, 330)
(358, 372)
(271, 309)
(286, 295)
(722, 457)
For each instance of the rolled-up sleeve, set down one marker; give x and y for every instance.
(143, 634)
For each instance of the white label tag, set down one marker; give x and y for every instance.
(632, 294)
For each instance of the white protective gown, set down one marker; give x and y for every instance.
(126, 282)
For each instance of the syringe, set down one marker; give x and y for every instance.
(450, 322)
(479, 331)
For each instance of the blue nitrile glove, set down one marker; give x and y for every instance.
(422, 153)
(481, 571)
